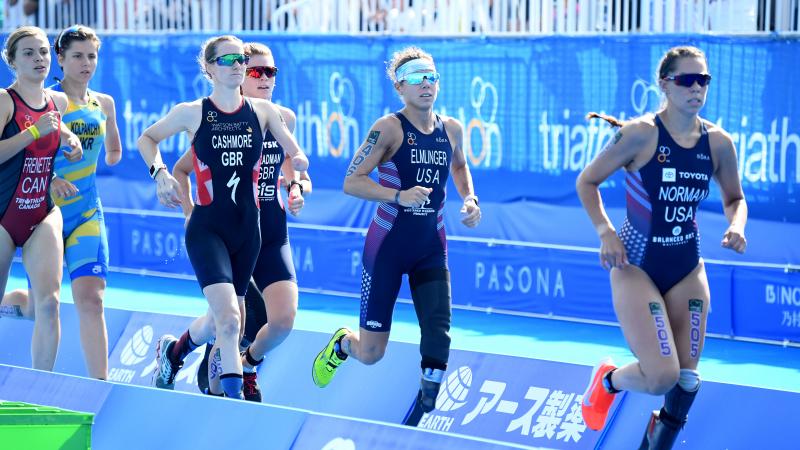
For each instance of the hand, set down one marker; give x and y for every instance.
(415, 197)
(612, 251)
(296, 201)
(63, 188)
(734, 239)
(73, 151)
(470, 213)
(48, 123)
(168, 190)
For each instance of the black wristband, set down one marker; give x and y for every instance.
(154, 169)
(397, 197)
(292, 184)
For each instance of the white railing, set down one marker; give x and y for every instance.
(414, 16)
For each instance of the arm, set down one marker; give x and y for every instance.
(620, 151)
(287, 168)
(462, 178)
(277, 125)
(181, 173)
(113, 142)
(384, 137)
(727, 175)
(46, 124)
(178, 119)
(68, 138)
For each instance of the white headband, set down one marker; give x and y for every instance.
(415, 65)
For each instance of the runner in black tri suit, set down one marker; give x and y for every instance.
(31, 137)
(658, 280)
(413, 149)
(227, 136)
(273, 292)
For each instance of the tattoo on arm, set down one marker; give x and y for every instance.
(373, 137)
(617, 137)
(365, 150)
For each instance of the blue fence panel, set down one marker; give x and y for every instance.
(522, 102)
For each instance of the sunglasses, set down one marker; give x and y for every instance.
(260, 71)
(230, 58)
(689, 79)
(419, 77)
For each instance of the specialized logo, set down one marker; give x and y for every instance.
(137, 349)
(97, 268)
(677, 230)
(28, 121)
(668, 175)
(703, 157)
(441, 140)
(453, 394)
(233, 183)
(663, 154)
(412, 138)
(211, 117)
(374, 324)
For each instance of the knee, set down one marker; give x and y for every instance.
(661, 382)
(283, 323)
(91, 305)
(46, 305)
(372, 354)
(227, 326)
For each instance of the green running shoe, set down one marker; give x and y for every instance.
(327, 361)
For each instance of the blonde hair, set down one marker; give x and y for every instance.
(255, 48)
(403, 56)
(208, 51)
(10, 50)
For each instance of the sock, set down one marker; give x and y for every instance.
(337, 347)
(232, 385)
(183, 347)
(609, 387)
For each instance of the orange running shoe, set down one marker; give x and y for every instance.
(597, 400)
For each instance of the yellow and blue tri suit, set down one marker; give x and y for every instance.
(85, 240)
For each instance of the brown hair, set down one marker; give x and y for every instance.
(72, 34)
(665, 66)
(670, 59)
(208, 51)
(10, 50)
(403, 56)
(255, 48)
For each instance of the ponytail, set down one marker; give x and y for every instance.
(610, 119)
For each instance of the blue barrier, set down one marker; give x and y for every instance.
(521, 277)
(70, 356)
(491, 397)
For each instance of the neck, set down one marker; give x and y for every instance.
(33, 92)
(75, 89)
(421, 118)
(679, 123)
(226, 99)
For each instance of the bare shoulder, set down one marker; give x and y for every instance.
(641, 129)
(288, 114)
(104, 99)
(389, 125)
(452, 125)
(718, 138)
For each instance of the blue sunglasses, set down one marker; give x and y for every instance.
(230, 58)
(419, 77)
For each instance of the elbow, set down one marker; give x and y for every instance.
(348, 186)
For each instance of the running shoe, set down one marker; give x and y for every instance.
(327, 361)
(165, 370)
(597, 400)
